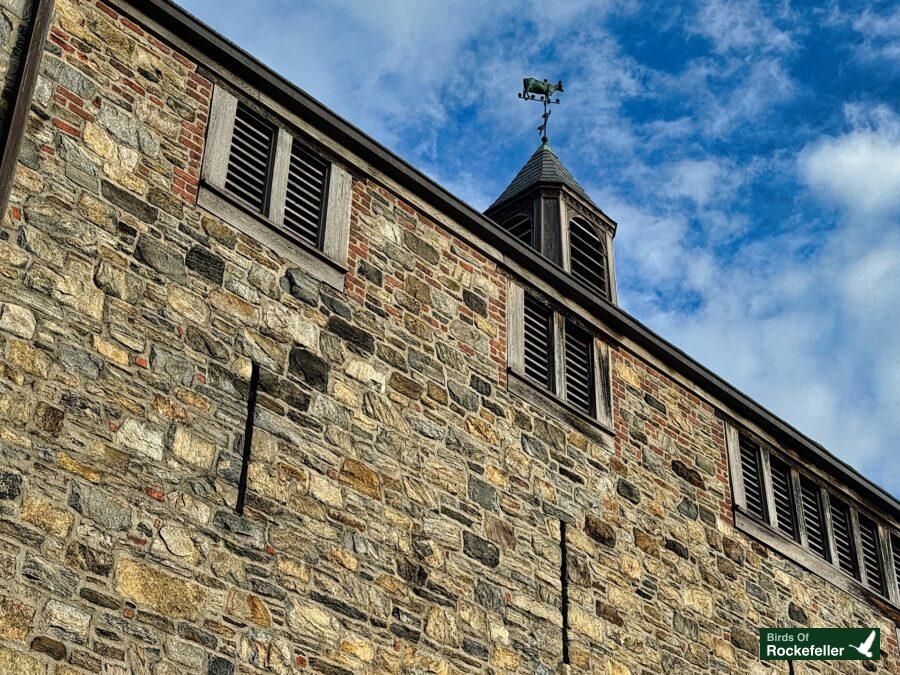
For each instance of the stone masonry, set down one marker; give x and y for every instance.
(403, 509)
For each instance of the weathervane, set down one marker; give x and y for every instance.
(534, 89)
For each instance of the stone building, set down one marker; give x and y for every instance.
(272, 401)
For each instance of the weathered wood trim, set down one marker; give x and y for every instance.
(829, 525)
(280, 168)
(857, 546)
(336, 238)
(515, 327)
(766, 466)
(733, 449)
(222, 111)
(602, 383)
(611, 270)
(797, 497)
(565, 237)
(38, 28)
(887, 563)
(559, 355)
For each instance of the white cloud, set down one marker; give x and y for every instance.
(739, 26)
(860, 170)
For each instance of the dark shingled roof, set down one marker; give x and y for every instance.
(543, 167)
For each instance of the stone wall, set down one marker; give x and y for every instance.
(404, 509)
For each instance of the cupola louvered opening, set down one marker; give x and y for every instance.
(579, 368)
(871, 554)
(521, 227)
(307, 183)
(751, 468)
(843, 537)
(588, 256)
(813, 517)
(783, 497)
(250, 158)
(538, 350)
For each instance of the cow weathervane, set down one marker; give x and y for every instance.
(534, 89)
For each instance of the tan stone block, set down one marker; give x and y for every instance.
(628, 375)
(586, 623)
(15, 618)
(187, 304)
(247, 607)
(505, 660)
(361, 478)
(192, 448)
(43, 514)
(233, 306)
(28, 358)
(325, 490)
(630, 566)
(17, 320)
(150, 586)
(19, 663)
(441, 626)
(142, 438)
(344, 558)
(481, 429)
(95, 210)
(96, 138)
(110, 351)
(358, 647)
(72, 465)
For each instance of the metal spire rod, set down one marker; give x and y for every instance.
(534, 89)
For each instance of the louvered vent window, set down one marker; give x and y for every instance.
(250, 159)
(751, 467)
(520, 227)
(588, 255)
(579, 368)
(539, 342)
(843, 537)
(871, 554)
(306, 185)
(813, 517)
(783, 497)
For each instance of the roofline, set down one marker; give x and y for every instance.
(245, 66)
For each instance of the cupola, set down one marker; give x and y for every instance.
(545, 208)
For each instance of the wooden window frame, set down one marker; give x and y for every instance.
(327, 262)
(525, 387)
(798, 550)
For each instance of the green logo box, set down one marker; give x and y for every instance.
(819, 644)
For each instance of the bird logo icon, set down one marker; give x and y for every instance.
(865, 648)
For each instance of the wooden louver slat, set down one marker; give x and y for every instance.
(579, 370)
(843, 537)
(783, 497)
(870, 554)
(520, 227)
(538, 342)
(588, 256)
(751, 467)
(306, 185)
(250, 158)
(813, 517)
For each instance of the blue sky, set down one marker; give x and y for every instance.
(750, 153)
